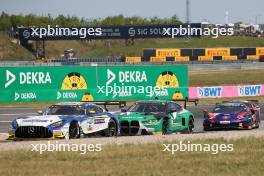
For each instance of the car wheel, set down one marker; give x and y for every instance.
(257, 124)
(190, 126)
(164, 126)
(250, 126)
(189, 130)
(74, 130)
(112, 129)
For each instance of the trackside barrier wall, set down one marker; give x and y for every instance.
(226, 91)
(92, 83)
(204, 54)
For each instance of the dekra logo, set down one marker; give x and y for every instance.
(28, 78)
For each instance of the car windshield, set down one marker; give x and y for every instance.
(65, 110)
(147, 107)
(229, 109)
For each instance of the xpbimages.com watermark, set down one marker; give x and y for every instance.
(197, 31)
(192, 147)
(60, 147)
(57, 31)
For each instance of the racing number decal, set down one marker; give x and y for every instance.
(75, 81)
(167, 79)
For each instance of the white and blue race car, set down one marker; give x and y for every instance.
(66, 120)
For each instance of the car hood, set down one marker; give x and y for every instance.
(222, 116)
(136, 116)
(43, 120)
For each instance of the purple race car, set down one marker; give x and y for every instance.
(233, 114)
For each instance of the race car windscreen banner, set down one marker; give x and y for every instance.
(93, 83)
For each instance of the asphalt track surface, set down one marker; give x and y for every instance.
(9, 114)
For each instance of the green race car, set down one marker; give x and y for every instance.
(155, 117)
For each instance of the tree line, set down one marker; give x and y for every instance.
(7, 22)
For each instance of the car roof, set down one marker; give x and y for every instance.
(241, 101)
(74, 104)
(231, 103)
(154, 101)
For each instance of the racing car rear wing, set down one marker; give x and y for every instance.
(187, 100)
(121, 104)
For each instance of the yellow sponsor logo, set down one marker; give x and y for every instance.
(168, 52)
(217, 52)
(260, 51)
(87, 97)
(182, 59)
(205, 58)
(167, 79)
(177, 96)
(157, 59)
(74, 81)
(229, 58)
(133, 59)
(252, 57)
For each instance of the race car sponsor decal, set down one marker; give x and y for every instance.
(98, 121)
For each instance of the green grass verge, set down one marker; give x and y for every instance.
(11, 51)
(227, 77)
(144, 159)
(118, 47)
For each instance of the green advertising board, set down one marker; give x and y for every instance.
(92, 83)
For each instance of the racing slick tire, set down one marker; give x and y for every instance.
(74, 130)
(165, 126)
(250, 126)
(190, 127)
(112, 129)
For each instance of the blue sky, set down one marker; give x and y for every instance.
(212, 10)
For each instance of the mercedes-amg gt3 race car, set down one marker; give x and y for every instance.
(66, 120)
(155, 117)
(233, 114)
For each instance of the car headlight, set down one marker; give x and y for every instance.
(57, 124)
(150, 122)
(14, 124)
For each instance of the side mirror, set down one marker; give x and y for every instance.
(123, 110)
(40, 112)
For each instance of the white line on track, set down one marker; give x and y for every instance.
(5, 121)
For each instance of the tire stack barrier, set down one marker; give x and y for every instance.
(203, 54)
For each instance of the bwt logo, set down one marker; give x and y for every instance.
(207, 92)
(252, 90)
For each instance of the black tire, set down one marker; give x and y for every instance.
(190, 126)
(189, 130)
(250, 127)
(112, 129)
(164, 126)
(257, 124)
(74, 131)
